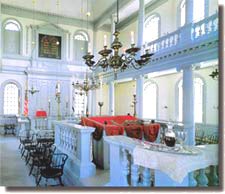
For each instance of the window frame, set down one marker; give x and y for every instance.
(147, 19)
(20, 99)
(4, 23)
(204, 92)
(85, 35)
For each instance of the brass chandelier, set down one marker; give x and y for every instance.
(112, 59)
(85, 87)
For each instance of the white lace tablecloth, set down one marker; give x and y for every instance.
(176, 166)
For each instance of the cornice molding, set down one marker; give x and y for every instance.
(47, 17)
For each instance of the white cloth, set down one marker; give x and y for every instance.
(176, 166)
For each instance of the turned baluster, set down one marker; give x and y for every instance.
(125, 167)
(146, 177)
(192, 181)
(194, 32)
(202, 178)
(206, 28)
(134, 173)
(212, 26)
(200, 30)
(214, 180)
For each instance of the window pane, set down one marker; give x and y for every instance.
(151, 31)
(11, 99)
(182, 12)
(80, 47)
(12, 27)
(199, 10)
(79, 102)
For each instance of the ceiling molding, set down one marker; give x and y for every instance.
(47, 17)
(132, 18)
(108, 14)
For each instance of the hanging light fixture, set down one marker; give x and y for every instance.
(112, 59)
(88, 84)
(85, 87)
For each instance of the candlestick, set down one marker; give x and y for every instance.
(105, 40)
(100, 104)
(132, 37)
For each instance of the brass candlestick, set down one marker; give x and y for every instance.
(100, 104)
(58, 99)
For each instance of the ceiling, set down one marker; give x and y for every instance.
(78, 8)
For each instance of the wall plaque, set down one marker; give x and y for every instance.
(49, 46)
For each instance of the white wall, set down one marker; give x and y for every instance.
(167, 96)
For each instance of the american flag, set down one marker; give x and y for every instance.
(25, 111)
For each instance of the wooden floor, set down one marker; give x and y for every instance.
(13, 171)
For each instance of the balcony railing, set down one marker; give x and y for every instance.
(187, 34)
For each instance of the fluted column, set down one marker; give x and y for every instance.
(139, 95)
(141, 21)
(188, 112)
(111, 98)
(188, 104)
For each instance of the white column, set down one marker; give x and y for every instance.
(111, 98)
(139, 95)
(188, 104)
(189, 11)
(113, 26)
(141, 21)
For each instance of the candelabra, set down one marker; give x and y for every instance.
(100, 104)
(86, 86)
(134, 104)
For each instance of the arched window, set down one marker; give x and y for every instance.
(198, 100)
(197, 14)
(11, 99)
(80, 45)
(182, 9)
(152, 28)
(150, 100)
(11, 37)
(79, 102)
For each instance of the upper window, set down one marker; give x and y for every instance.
(150, 100)
(198, 100)
(80, 45)
(11, 99)
(11, 40)
(197, 14)
(182, 12)
(151, 30)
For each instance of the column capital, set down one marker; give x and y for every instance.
(185, 67)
